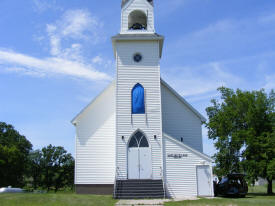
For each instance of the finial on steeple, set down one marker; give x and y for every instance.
(125, 2)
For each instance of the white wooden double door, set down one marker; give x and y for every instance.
(139, 157)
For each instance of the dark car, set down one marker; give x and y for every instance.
(231, 185)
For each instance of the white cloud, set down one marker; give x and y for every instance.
(66, 37)
(231, 37)
(23, 71)
(97, 60)
(44, 5)
(202, 97)
(167, 7)
(267, 18)
(202, 79)
(220, 26)
(270, 82)
(49, 66)
(77, 25)
(75, 22)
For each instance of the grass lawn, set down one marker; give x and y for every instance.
(58, 199)
(256, 197)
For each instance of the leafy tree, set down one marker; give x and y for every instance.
(35, 168)
(242, 125)
(14, 151)
(69, 172)
(57, 167)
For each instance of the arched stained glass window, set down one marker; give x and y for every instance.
(138, 140)
(138, 106)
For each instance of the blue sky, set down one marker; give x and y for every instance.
(56, 56)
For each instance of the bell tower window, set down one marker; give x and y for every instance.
(137, 20)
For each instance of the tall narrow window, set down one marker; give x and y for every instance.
(138, 106)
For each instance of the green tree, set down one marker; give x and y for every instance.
(242, 125)
(57, 167)
(35, 168)
(14, 151)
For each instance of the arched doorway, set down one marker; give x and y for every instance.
(139, 157)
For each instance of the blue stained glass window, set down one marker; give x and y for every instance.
(138, 106)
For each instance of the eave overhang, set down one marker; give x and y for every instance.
(138, 37)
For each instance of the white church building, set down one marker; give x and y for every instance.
(139, 138)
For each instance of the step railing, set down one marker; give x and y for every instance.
(115, 183)
(163, 183)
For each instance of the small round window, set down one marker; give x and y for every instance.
(137, 57)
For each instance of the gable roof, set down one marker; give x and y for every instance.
(162, 82)
(204, 156)
(123, 2)
(74, 120)
(203, 119)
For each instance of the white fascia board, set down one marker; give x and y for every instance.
(203, 119)
(202, 155)
(74, 120)
(138, 37)
(131, 1)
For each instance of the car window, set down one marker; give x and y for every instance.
(225, 179)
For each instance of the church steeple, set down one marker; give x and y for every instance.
(137, 16)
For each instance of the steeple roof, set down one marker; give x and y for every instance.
(126, 1)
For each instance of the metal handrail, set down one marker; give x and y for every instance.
(163, 184)
(115, 182)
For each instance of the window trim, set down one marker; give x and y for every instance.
(132, 109)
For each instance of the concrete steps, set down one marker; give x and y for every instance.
(139, 189)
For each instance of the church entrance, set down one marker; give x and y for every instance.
(139, 157)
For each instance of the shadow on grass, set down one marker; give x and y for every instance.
(249, 195)
(234, 197)
(261, 194)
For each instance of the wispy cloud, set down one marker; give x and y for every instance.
(228, 52)
(200, 80)
(228, 38)
(44, 5)
(49, 66)
(66, 38)
(166, 7)
(270, 82)
(74, 25)
(97, 60)
(269, 18)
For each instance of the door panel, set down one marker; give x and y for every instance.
(139, 157)
(145, 163)
(204, 180)
(133, 163)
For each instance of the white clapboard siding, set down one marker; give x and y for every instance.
(179, 120)
(142, 5)
(147, 73)
(95, 141)
(180, 174)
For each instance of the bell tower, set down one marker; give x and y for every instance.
(137, 50)
(137, 16)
